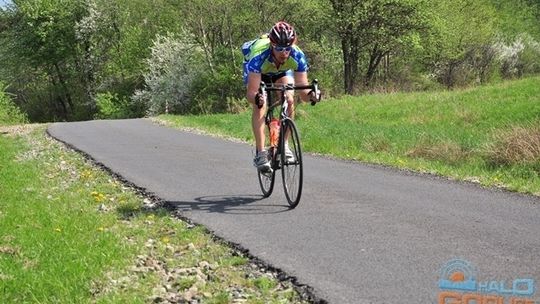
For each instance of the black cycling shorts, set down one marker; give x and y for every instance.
(271, 78)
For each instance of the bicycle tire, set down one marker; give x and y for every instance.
(267, 181)
(291, 171)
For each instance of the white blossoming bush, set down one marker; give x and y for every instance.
(519, 57)
(173, 66)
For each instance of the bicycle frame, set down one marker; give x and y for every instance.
(282, 89)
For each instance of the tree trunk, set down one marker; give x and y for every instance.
(65, 91)
(350, 61)
(374, 60)
(449, 79)
(56, 98)
(206, 47)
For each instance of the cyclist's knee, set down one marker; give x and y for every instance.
(290, 98)
(290, 101)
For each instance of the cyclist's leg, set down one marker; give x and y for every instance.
(257, 115)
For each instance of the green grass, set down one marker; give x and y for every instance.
(70, 233)
(450, 133)
(47, 226)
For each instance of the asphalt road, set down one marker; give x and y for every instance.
(361, 234)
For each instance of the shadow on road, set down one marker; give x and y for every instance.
(235, 204)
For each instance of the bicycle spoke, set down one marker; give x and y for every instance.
(292, 171)
(291, 181)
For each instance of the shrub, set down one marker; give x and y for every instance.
(448, 152)
(173, 66)
(519, 57)
(9, 112)
(111, 106)
(220, 92)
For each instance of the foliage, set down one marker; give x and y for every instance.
(320, 45)
(113, 106)
(9, 112)
(132, 29)
(517, 17)
(215, 93)
(228, 24)
(42, 35)
(461, 32)
(519, 57)
(59, 55)
(371, 30)
(172, 69)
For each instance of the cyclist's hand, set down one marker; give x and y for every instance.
(315, 96)
(260, 99)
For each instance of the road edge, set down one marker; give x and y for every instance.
(306, 292)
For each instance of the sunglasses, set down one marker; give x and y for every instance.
(282, 48)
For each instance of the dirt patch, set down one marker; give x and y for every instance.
(8, 250)
(18, 130)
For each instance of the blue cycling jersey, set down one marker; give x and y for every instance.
(258, 59)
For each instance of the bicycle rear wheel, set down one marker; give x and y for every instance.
(291, 167)
(267, 180)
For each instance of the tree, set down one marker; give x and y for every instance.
(42, 33)
(517, 39)
(375, 28)
(460, 30)
(57, 48)
(133, 25)
(219, 28)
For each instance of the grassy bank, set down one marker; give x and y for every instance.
(71, 233)
(489, 135)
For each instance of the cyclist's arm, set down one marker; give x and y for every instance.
(301, 78)
(254, 82)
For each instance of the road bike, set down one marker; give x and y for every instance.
(282, 131)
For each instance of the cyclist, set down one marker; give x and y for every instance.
(275, 59)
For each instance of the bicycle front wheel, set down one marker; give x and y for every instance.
(291, 162)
